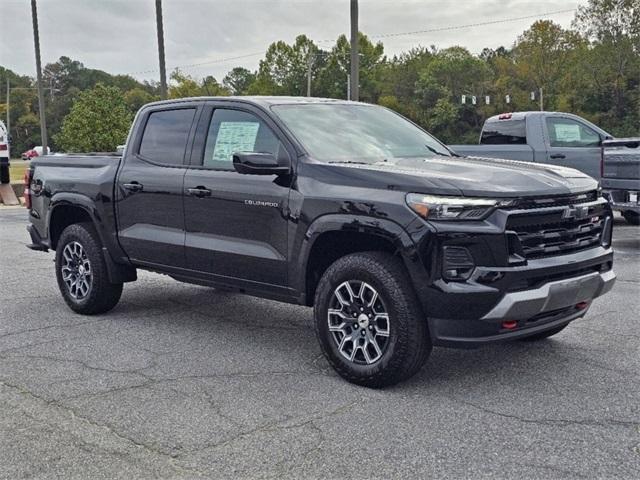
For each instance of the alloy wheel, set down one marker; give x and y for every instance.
(359, 322)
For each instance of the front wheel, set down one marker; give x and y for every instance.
(368, 321)
(81, 271)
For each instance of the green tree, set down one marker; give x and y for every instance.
(98, 121)
(137, 97)
(283, 71)
(184, 86)
(610, 67)
(238, 80)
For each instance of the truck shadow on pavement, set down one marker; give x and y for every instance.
(215, 332)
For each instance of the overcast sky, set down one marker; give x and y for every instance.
(119, 36)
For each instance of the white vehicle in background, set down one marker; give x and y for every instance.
(4, 153)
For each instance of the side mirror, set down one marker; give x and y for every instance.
(254, 163)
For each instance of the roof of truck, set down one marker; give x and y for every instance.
(263, 100)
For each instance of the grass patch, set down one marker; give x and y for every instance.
(16, 170)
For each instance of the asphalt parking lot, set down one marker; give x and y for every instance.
(184, 381)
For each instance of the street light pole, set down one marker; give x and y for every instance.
(163, 72)
(355, 59)
(36, 41)
(309, 65)
(8, 108)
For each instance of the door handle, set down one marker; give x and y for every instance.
(557, 155)
(133, 186)
(199, 192)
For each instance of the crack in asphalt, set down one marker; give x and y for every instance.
(549, 421)
(277, 426)
(171, 459)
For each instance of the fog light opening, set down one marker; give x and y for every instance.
(509, 324)
(582, 305)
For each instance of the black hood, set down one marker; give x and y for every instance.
(472, 176)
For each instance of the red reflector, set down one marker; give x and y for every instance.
(582, 305)
(509, 324)
(3, 146)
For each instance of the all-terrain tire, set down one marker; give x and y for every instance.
(102, 295)
(408, 345)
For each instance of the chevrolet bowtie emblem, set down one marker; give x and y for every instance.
(576, 212)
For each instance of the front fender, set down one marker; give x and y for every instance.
(384, 228)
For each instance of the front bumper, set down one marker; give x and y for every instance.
(620, 199)
(552, 296)
(539, 296)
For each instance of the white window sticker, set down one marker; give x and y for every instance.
(234, 137)
(567, 132)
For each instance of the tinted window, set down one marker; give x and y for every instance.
(565, 132)
(504, 132)
(234, 131)
(165, 136)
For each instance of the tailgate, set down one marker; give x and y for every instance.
(621, 161)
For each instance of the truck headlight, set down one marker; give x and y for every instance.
(434, 207)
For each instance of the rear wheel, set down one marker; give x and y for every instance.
(81, 271)
(631, 217)
(369, 322)
(543, 335)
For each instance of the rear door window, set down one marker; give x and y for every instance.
(566, 132)
(504, 132)
(166, 134)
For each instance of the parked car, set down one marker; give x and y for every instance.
(621, 176)
(555, 138)
(34, 152)
(397, 243)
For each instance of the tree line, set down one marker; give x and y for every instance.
(591, 69)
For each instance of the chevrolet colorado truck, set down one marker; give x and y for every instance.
(397, 243)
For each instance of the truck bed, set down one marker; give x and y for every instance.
(511, 152)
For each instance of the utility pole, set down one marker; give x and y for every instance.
(355, 58)
(8, 109)
(309, 65)
(541, 101)
(163, 72)
(36, 41)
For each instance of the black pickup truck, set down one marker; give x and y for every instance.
(396, 242)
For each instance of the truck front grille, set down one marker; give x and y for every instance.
(558, 231)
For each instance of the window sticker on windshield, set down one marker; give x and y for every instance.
(234, 137)
(566, 132)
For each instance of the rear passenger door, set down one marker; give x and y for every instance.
(573, 144)
(236, 224)
(149, 187)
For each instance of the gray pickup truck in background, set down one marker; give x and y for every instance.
(565, 140)
(621, 176)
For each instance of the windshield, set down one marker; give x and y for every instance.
(356, 133)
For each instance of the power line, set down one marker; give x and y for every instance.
(381, 35)
(468, 25)
(209, 62)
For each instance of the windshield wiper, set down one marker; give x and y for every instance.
(433, 150)
(349, 161)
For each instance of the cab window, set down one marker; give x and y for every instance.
(232, 131)
(166, 134)
(566, 132)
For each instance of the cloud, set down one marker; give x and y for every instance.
(119, 36)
